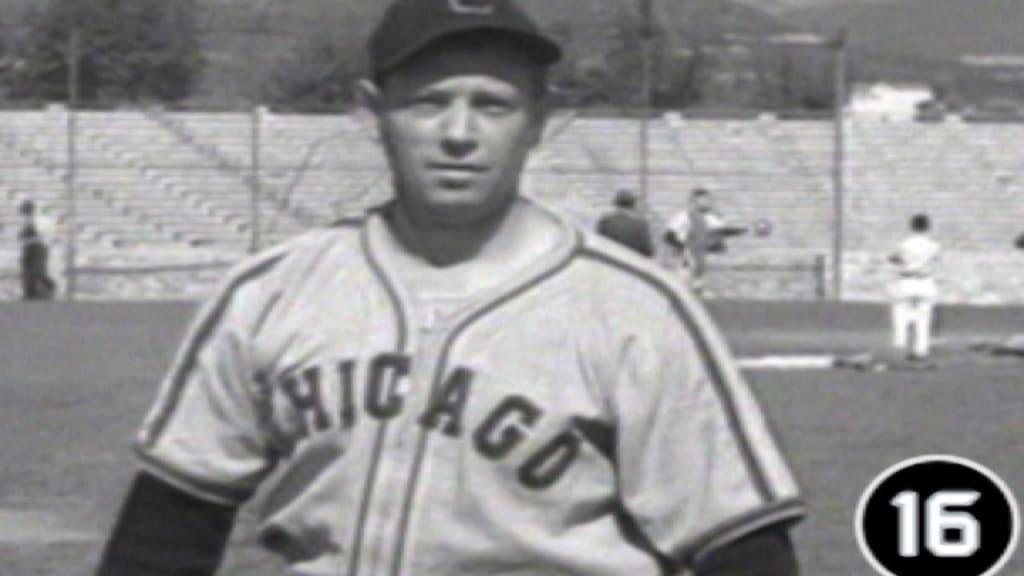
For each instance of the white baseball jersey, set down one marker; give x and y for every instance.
(679, 225)
(915, 259)
(585, 418)
(917, 255)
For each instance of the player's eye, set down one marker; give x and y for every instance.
(494, 105)
(426, 102)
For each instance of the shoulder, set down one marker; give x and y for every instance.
(921, 243)
(680, 218)
(294, 259)
(624, 299)
(627, 286)
(678, 227)
(637, 218)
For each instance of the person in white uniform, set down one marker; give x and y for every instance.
(915, 290)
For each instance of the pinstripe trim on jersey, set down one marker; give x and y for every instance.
(711, 360)
(777, 514)
(402, 332)
(632, 533)
(198, 340)
(435, 385)
(389, 287)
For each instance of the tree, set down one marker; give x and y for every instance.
(129, 50)
(321, 66)
(317, 73)
(623, 64)
(677, 68)
(798, 77)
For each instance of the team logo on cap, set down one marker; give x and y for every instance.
(475, 7)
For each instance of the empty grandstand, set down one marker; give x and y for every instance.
(155, 188)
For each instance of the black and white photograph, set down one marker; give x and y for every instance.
(511, 287)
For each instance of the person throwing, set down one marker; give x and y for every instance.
(695, 232)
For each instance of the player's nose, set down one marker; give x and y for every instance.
(459, 131)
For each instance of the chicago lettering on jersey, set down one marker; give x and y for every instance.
(505, 426)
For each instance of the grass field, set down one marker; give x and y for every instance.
(77, 378)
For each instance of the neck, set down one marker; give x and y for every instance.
(444, 244)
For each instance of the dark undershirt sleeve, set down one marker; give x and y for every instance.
(164, 531)
(768, 552)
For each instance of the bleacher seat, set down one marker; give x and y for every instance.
(181, 181)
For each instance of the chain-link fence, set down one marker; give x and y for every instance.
(128, 191)
(145, 187)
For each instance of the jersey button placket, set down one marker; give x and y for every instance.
(401, 445)
(432, 335)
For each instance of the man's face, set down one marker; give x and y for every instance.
(457, 124)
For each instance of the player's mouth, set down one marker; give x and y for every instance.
(455, 175)
(456, 168)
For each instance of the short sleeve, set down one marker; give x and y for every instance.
(679, 225)
(700, 467)
(204, 433)
(713, 221)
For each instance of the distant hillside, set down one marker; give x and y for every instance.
(588, 21)
(935, 29)
(699, 19)
(246, 37)
(247, 42)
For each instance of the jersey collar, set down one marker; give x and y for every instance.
(379, 245)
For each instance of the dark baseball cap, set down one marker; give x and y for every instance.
(409, 26)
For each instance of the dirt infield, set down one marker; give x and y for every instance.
(77, 379)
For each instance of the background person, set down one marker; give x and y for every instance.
(627, 225)
(914, 291)
(34, 260)
(695, 232)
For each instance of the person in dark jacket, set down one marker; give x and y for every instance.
(35, 277)
(626, 225)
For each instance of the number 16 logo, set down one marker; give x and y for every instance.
(939, 521)
(937, 514)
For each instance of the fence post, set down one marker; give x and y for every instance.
(820, 266)
(70, 174)
(838, 163)
(254, 179)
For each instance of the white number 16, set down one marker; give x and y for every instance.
(938, 520)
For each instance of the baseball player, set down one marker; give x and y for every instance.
(914, 292)
(626, 225)
(696, 231)
(461, 383)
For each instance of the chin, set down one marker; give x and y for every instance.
(457, 212)
(457, 205)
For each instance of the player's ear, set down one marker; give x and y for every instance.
(370, 103)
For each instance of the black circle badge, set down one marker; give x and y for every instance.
(937, 514)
